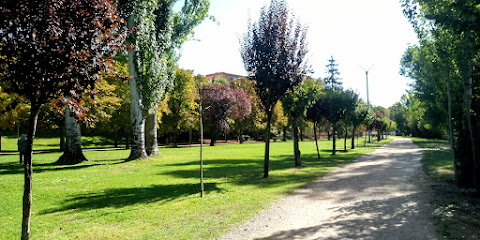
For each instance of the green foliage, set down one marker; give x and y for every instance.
(182, 108)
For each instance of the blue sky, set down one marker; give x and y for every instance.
(356, 33)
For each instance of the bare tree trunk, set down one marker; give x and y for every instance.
(316, 140)
(296, 150)
(353, 137)
(284, 134)
(28, 168)
(267, 146)
(468, 115)
(73, 148)
(202, 187)
(115, 138)
(334, 138)
(151, 143)
(190, 136)
(345, 139)
(0, 139)
(136, 108)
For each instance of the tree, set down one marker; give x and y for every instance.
(332, 80)
(181, 104)
(357, 118)
(159, 32)
(51, 50)
(296, 103)
(452, 29)
(273, 52)
(221, 102)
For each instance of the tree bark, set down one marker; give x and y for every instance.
(202, 187)
(316, 139)
(284, 134)
(0, 140)
(213, 137)
(136, 108)
(353, 137)
(345, 139)
(468, 115)
(151, 143)
(267, 146)
(296, 150)
(73, 148)
(115, 138)
(334, 138)
(28, 169)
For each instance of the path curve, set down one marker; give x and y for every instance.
(382, 195)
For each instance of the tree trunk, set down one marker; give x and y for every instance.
(0, 140)
(202, 187)
(468, 115)
(284, 134)
(334, 139)
(316, 139)
(190, 136)
(115, 138)
(151, 144)
(174, 135)
(127, 142)
(353, 137)
(73, 148)
(296, 150)
(28, 168)
(450, 126)
(345, 139)
(136, 107)
(267, 146)
(328, 135)
(301, 134)
(213, 137)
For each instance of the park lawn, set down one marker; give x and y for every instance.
(109, 198)
(437, 158)
(9, 143)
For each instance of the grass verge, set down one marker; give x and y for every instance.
(457, 211)
(109, 198)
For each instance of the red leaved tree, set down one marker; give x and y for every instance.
(54, 49)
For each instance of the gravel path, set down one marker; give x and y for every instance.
(382, 195)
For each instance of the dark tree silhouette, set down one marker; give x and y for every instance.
(273, 52)
(53, 49)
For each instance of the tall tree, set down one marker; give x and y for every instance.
(333, 79)
(52, 49)
(273, 52)
(159, 32)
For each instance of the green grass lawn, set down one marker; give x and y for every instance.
(437, 158)
(9, 143)
(108, 198)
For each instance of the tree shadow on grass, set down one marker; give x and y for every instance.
(122, 197)
(11, 168)
(250, 171)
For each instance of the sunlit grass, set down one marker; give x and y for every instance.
(437, 158)
(108, 198)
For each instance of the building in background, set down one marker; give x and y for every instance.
(228, 76)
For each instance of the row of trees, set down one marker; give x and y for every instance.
(64, 57)
(445, 99)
